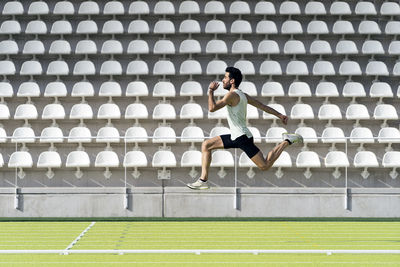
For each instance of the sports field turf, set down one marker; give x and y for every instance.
(192, 235)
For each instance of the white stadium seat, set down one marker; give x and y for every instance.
(239, 8)
(61, 27)
(302, 112)
(164, 8)
(87, 27)
(340, 8)
(164, 27)
(214, 7)
(113, 27)
(86, 47)
(333, 135)
(111, 47)
(57, 68)
(274, 135)
(264, 8)
(138, 27)
(365, 8)
(51, 135)
(266, 27)
(139, 8)
(78, 160)
(192, 134)
(49, 160)
(369, 27)
(389, 135)
(268, 47)
(270, 67)
(60, 47)
(190, 46)
(79, 135)
(216, 47)
(308, 160)
(189, 26)
(107, 159)
(326, 89)
(36, 27)
(164, 134)
(391, 159)
(113, 8)
(20, 160)
(246, 67)
(192, 159)
(365, 160)
(329, 112)
(111, 67)
(361, 135)
(357, 112)
(222, 159)
(190, 67)
(135, 159)
(89, 8)
(53, 112)
(385, 112)
(10, 27)
(320, 47)
(107, 135)
(138, 47)
(289, 8)
(353, 90)
(13, 8)
(215, 26)
(336, 159)
(136, 134)
(390, 9)
(299, 90)
(380, 90)
(164, 67)
(164, 159)
(189, 7)
(241, 27)
(63, 8)
(164, 47)
(137, 67)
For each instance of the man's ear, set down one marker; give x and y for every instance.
(232, 81)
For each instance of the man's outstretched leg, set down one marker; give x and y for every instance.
(206, 147)
(273, 155)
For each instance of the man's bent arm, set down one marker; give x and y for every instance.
(254, 102)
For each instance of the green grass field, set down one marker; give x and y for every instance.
(225, 235)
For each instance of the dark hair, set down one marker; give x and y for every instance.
(236, 74)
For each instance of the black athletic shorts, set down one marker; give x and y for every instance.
(243, 142)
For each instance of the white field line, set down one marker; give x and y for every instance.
(80, 236)
(200, 251)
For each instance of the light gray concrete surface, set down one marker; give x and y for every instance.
(216, 202)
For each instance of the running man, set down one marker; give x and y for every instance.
(236, 102)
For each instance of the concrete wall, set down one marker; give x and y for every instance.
(216, 202)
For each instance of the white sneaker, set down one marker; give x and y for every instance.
(293, 138)
(199, 184)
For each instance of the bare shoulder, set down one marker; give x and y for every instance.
(232, 98)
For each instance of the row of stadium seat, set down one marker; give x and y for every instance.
(363, 8)
(191, 26)
(194, 134)
(166, 111)
(220, 159)
(190, 46)
(193, 67)
(192, 89)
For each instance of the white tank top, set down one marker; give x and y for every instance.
(237, 117)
